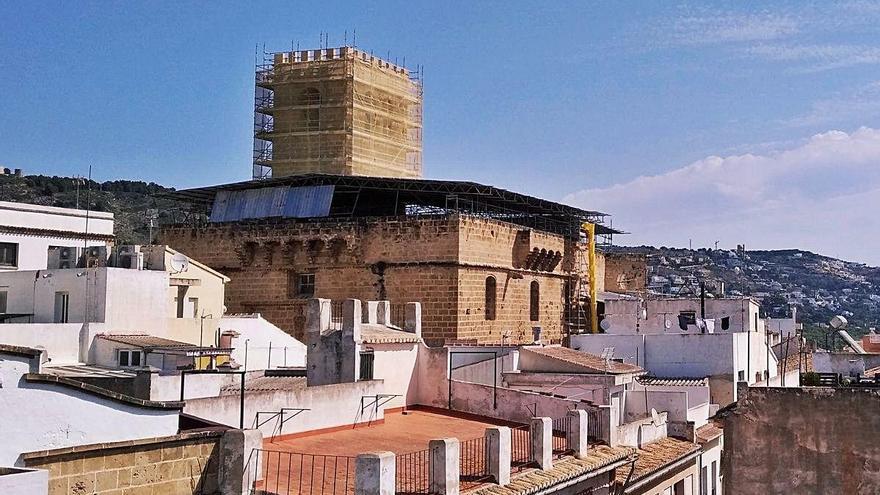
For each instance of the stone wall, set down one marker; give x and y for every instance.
(626, 272)
(802, 440)
(184, 464)
(441, 262)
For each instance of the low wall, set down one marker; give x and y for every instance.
(672, 402)
(330, 406)
(512, 405)
(60, 340)
(638, 433)
(261, 337)
(177, 465)
(24, 481)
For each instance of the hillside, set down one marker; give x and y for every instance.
(130, 201)
(819, 286)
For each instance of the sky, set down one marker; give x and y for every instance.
(690, 123)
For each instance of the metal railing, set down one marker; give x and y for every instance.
(277, 472)
(336, 315)
(520, 448)
(562, 429)
(413, 473)
(474, 463)
(398, 315)
(592, 424)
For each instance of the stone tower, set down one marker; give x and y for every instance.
(336, 111)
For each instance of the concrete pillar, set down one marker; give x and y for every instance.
(413, 321)
(498, 453)
(374, 473)
(577, 436)
(445, 466)
(371, 310)
(383, 312)
(350, 358)
(239, 461)
(608, 424)
(541, 437)
(318, 316)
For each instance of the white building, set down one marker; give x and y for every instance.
(32, 234)
(41, 411)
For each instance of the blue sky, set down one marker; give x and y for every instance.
(647, 110)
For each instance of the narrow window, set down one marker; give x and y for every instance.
(704, 482)
(714, 477)
(62, 307)
(725, 323)
(194, 305)
(367, 359)
(534, 301)
(8, 254)
(135, 358)
(741, 376)
(491, 291)
(123, 358)
(3, 299)
(305, 284)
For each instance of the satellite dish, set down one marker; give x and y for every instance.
(644, 314)
(605, 325)
(179, 263)
(655, 418)
(838, 322)
(667, 324)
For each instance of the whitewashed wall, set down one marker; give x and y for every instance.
(42, 416)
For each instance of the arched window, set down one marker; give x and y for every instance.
(311, 96)
(491, 297)
(534, 301)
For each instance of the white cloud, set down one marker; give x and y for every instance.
(813, 58)
(861, 103)
(695, 26)
(823, 195)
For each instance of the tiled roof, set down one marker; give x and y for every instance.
(708, 432)
(380, 334)
(150, 342)
(873, 372)
(672, 382)
(588, 362)
(266, 384)
(86, 371)
(656, 456)
(565, 469)
(144, 341)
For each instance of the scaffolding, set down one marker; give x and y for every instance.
(338, 111)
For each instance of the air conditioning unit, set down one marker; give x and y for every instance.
(62, 257)
(93, 256)
(127, 256)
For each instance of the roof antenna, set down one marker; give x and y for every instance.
(354, 38)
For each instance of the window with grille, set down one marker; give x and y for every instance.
(301, 284)
(130, 358)
(367, 360)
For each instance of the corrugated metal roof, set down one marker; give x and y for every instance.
(269, 202)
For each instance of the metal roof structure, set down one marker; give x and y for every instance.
(359, 196)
